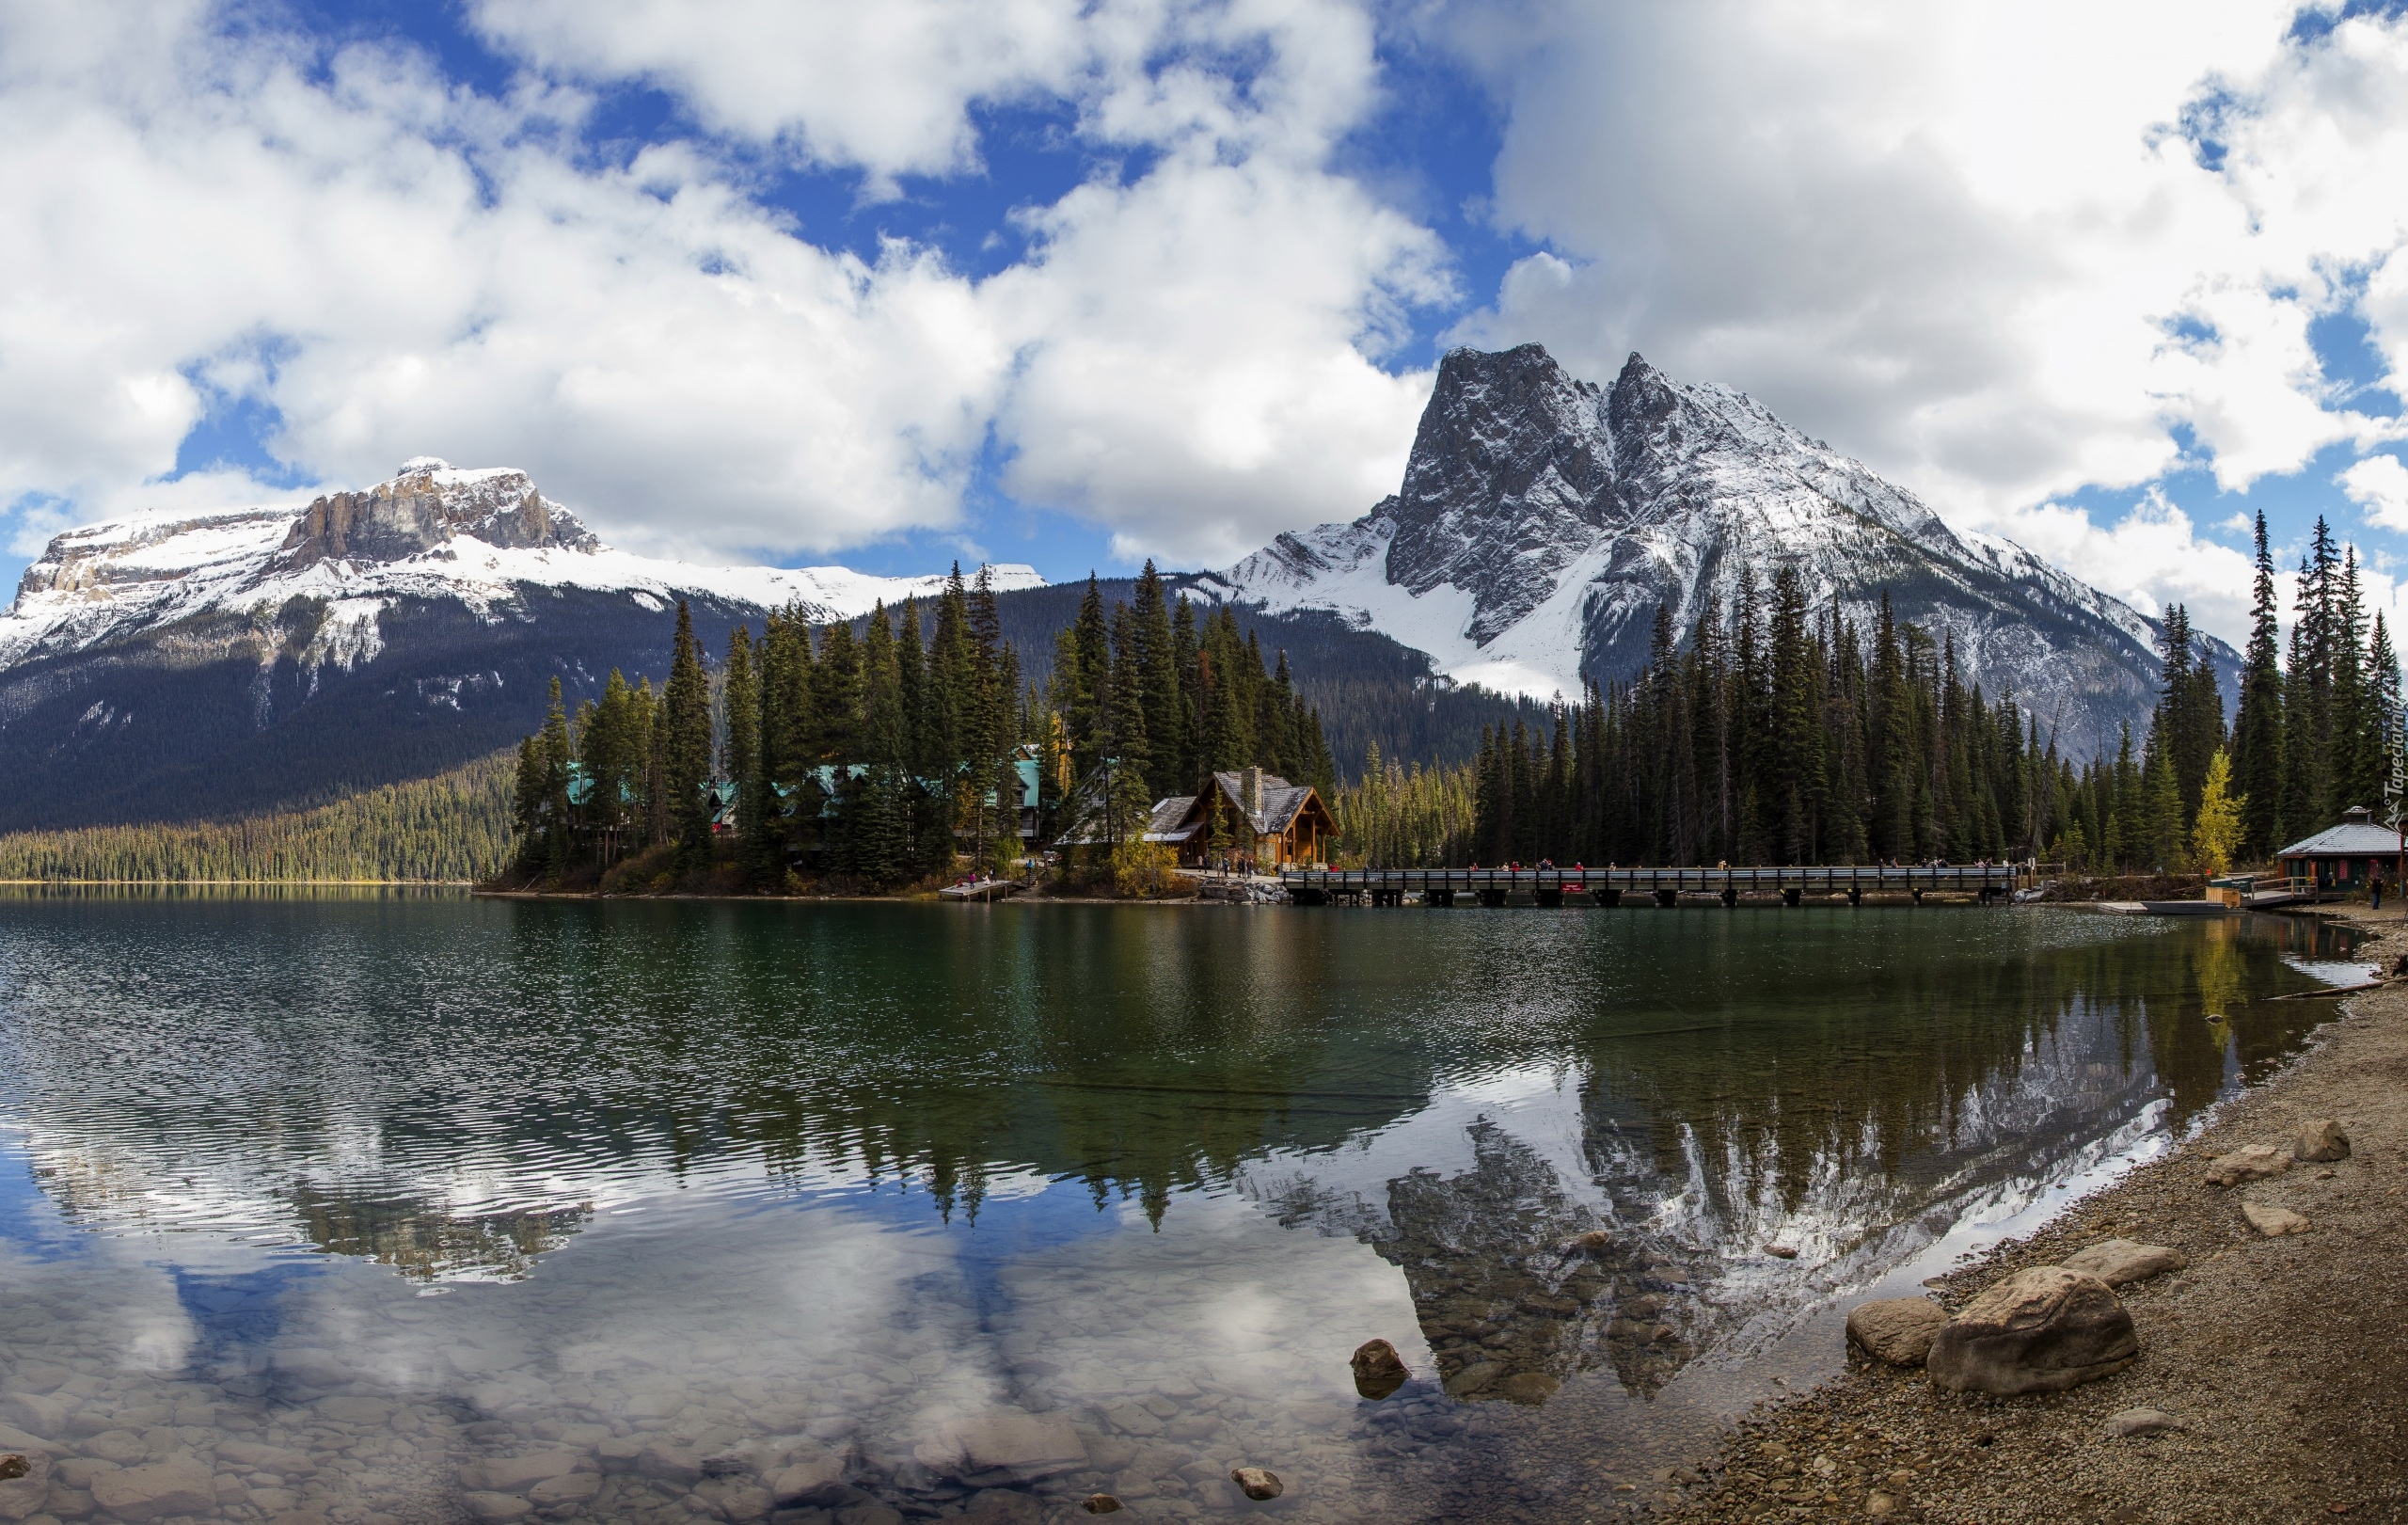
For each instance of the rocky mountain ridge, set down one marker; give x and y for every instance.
(168, 667)
(1544, 519)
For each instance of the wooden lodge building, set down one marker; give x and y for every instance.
(2346, 857)
(1257, 815)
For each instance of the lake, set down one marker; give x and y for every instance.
(409, 1207)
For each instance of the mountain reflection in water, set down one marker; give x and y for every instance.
(1573, 1136)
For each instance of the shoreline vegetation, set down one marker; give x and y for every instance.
(452, 829)
(2272, 1359)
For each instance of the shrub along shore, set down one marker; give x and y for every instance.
(2279, 1357)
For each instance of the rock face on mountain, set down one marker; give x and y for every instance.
(428, 505)
(167, 667)
(1544, 519)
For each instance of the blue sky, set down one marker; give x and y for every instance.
(1078, 282)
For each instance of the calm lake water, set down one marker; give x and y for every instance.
(414, 1207)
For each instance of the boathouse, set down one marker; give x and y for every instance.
(2345, 857)
(1249, 813)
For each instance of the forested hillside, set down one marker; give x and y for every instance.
(452, 829)
(1783, 734)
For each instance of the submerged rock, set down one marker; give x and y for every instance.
(2321, 1140)
(1896, 1330)
(179, 1487)
(2043, 1329)
(1256, 1484)
(1101, 1503)
(2116, 1261)
(25, 1483)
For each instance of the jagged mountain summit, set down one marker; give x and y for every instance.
(1544, 519)
(171, 666)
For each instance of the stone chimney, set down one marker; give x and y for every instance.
(1253, 788)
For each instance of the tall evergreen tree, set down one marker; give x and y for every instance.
(686, 741)
(2257, 728)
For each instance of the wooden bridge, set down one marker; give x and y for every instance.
(1665, 886)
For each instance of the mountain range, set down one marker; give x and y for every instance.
(171, 667)
(1544, 519)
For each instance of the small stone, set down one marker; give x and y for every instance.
(1256, 1483)
(2251, 1162)
(1900, 1480)
(2117, 1261)
(1101, 1503)
(1896, 1330)
(495, 1508)
(1474, 1378)
(1379, 1371)
(2273, 1222)
(13, 1466)
(1877, 1504)
(1786, 1253)
(2321, 1140)
(2130, 1421)
(2043, 1329)
(1596, 1241)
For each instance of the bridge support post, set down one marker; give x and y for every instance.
(1791, 896)
(1550, 896)
(1438, 900)
(1917, 893)
(1609, 897)
(1730, 894)
(1668, 898)
(1492, 898)
(1855, 896)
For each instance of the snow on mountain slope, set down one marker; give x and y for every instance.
(168, 667)
(481, 538)
(1543, 521)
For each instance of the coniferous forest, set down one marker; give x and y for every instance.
(450, 829)
(885, 755)
(1778, 733)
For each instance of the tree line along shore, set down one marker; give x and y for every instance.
(889, 753)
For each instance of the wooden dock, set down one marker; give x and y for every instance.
(985, 889)
(1663, 887)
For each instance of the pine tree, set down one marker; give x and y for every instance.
(685, 743)
(2257, 728)
(741, 706)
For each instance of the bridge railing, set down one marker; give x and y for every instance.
(1863, 876)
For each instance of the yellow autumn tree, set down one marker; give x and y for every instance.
(2217, 831)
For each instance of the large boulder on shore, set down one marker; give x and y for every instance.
(2116, 1261)
(2319, 1142)
(2043, 1329)
(1896, 1330)
(2251, 1161)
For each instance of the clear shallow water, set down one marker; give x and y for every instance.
(350, 1206)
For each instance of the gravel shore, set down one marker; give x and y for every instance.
(2284, 1359)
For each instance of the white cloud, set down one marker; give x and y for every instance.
(885, 87)
(2378, 484)
(398, 266)
(1965, 241)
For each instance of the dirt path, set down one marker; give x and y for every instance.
(2286, 1358)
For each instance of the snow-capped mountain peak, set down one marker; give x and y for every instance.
(1544, 519)
(481, 538)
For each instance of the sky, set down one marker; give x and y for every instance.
(1080, 282)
